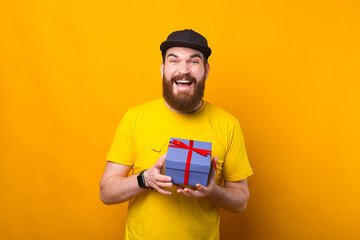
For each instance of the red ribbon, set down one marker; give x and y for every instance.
(179, 144)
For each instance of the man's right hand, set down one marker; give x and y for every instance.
(154, 178)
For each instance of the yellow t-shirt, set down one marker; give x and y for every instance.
(152, 215)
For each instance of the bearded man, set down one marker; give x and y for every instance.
(159, 209)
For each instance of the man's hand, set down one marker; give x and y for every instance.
(154, 178)
(232, 197)
(201, 191)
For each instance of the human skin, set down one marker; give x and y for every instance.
(116, 186)
(178, 63)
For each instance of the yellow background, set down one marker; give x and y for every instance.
(288, 70)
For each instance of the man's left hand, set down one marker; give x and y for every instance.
(201, 191)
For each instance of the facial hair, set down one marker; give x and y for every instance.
(183, 102)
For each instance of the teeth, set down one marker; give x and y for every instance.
(183, 81)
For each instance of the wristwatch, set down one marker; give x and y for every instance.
(141, 180)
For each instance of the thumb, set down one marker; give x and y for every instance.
(214, 165)
(160, 163)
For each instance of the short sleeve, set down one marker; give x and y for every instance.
(122, 147)
(236, 165)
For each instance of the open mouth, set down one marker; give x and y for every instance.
(183, 83)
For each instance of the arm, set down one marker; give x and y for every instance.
(117, 187)
(232, 197)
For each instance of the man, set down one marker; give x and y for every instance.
(158, 209)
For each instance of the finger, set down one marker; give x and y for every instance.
(163, 157)
(162, 178)
(183, 192)
(191, 193)
(201, 188)
(160, 190)
(213, 171)
(164, 184)
(214, 163)
(160, 162)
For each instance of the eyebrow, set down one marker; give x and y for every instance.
(196, 55)
(192, 56)
(172, 55)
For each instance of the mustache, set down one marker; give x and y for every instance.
(187, 77)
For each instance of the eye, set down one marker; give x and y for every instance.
(195, 61)
(173, 60)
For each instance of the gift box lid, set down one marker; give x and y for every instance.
(176, 157)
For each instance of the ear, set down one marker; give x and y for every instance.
(162, 70)
(207, 70)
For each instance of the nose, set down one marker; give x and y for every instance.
(184, 68)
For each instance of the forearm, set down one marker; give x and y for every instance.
(118, 189)
(229, 198)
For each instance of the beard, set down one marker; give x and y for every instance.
(183, 102)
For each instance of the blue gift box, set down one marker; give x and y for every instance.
(188, 162)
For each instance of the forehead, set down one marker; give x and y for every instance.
(183, 52)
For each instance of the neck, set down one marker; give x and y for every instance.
(192, 111)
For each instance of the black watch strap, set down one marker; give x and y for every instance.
(141, 180)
